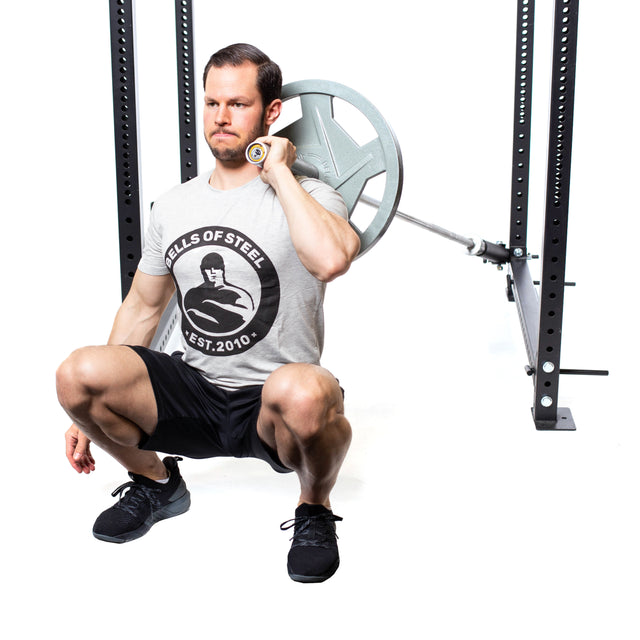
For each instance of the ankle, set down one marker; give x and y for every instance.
(309, 499)
(158, 472)
(162, 476)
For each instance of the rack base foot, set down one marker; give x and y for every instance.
(563, 422)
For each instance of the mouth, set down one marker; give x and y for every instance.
(222, 134)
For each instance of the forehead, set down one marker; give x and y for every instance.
(233, 81)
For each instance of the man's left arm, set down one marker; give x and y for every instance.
(325, 242)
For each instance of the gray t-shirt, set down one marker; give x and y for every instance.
(247, 303)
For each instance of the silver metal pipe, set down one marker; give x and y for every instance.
(434, 228)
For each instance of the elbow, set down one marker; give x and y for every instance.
(340, 262)
(330, 273)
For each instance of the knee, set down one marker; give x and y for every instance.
(307, 398)
(77, 378)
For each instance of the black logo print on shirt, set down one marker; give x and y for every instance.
(227, 288)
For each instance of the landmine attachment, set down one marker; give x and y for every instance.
(328, 152)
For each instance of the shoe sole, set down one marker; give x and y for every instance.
(175, 508)
(313, 579)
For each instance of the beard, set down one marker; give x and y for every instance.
(235, 154)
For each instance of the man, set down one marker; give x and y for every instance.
(255, 389)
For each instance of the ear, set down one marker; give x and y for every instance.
(272, 112)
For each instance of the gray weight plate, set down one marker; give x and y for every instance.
(341, 162)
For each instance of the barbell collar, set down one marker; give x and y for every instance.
(494, 252)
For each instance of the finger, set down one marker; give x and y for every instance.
(84, 464)
(90, 456)
(87, 467)
(83, 454)
(71, 451)
(280, 148)
(89, 463)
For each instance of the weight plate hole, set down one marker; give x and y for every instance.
(352, 120)
(362, 216)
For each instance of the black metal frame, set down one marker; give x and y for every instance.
(540, 312)
(522, 128)
(186, 109)
(546, 413)
(125, 123)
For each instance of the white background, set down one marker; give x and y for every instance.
(461, 520)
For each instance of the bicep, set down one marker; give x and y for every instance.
(151, 292)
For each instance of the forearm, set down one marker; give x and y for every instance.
(133, 326)
(324, 241)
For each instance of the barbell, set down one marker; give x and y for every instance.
(327, 151)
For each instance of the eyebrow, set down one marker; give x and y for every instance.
(232, 99)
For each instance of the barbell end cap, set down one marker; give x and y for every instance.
(256, 153)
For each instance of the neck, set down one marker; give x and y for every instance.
(225, 177)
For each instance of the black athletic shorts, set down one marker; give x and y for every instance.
(197, 419)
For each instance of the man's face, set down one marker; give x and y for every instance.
(233, 111)
(214, 275)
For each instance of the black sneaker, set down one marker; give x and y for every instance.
(314, 553)
(145, 503)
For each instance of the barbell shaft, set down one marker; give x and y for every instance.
(467, 242)
(490, 251)
(305, 168)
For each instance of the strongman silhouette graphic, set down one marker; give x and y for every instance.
(216, 306)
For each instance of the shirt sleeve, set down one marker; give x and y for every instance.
(152, 262)
(327, 196)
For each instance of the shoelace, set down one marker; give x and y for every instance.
(313, 531)
(135, 496)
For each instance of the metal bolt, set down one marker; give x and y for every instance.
(546, 401)
(518, 253)
(548, 367)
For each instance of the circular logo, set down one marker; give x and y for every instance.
(256, 152)
(227, 289)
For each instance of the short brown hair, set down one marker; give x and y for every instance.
(269, 74)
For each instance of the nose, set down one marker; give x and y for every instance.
(222, 115)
